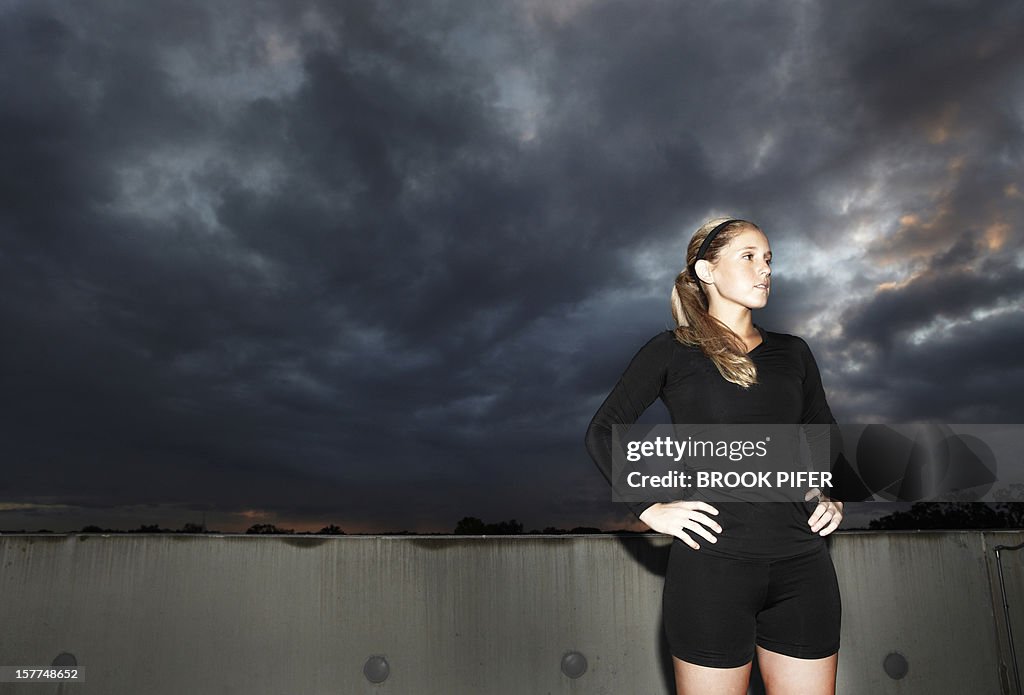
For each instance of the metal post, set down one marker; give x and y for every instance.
(1006, 611)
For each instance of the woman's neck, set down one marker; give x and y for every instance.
(740, 321)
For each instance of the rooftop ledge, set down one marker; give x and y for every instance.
(923, 612)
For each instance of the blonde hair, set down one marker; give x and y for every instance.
(694, 325)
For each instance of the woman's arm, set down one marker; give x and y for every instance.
(639, 385)
(825, 442)
(823, 435)
(637, 388)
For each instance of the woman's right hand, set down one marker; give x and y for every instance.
(675, 518)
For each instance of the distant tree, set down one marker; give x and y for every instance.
(92, 529)
(267, 528)
(505, 528)
(193, 528)
(551, 531)
(332, 530)
(470, 525)
(586, 529)
(154, 528)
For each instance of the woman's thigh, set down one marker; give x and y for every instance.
(802, 611)
(692, 679)
(787, 675)
(716, 609)
(709, 607)
(798, 627)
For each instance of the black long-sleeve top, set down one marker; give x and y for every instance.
(789, 390)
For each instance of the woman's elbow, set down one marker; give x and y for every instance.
(595, 438)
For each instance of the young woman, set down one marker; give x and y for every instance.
(764, 580)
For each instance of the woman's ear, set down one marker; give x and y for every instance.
(703, 270)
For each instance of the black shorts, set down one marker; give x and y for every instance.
(716, 608)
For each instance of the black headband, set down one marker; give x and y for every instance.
(704, 247)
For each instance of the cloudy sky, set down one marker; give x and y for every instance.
(377, 264)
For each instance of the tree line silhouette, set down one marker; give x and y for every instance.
(921, 516)
(952, 516)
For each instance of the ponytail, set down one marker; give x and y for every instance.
(695, 326)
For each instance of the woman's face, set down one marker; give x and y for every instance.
(742, 273)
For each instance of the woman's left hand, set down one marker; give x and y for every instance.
(827, 515)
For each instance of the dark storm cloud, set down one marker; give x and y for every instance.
(952, 285)
(915, 56)
(380, 263)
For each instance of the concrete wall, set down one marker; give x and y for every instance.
(283, 615)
